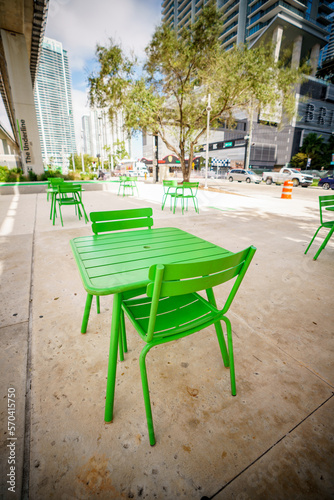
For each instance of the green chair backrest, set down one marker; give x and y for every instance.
(54, 181)
(180, 279)
(325, 202)
(170, 183)
(191, 185)
(69, 187)
(116, 220)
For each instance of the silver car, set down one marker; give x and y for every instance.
(239, 174)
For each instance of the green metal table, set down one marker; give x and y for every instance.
(114, 263)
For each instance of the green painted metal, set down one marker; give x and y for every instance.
(119, 263)
(187, 191)
(121, 219)
(128, 185)
(68, 194)
(169, 188)
(325, 202)
(115, 220)
(173, 309)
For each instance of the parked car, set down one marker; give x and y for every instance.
(327, 182)
(239, 174)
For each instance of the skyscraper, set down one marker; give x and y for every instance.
(100, 136)
(53, 101)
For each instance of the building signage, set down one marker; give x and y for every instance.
(24, 141)
(316, 114)
(235, 143)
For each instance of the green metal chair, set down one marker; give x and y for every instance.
(53, 183)
(327, 203)
(116, 220)
(173, 309)
(169, 187)
(69, 194)
(188, 191)
(127, 185)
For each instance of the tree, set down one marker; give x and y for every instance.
(170, 96)
(299, 160)
(78, 162)
(313, 147)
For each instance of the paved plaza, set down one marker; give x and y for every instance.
(273, 440)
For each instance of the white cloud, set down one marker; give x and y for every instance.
(81, 24)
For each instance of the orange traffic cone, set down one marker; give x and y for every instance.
(287, 190)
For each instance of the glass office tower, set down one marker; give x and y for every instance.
(301, 24)
(53, 101)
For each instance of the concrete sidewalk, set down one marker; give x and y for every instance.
(273, 440)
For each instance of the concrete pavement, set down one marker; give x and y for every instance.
(273, 440)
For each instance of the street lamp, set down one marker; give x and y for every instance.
(247, 137)
(156, 151)
(208, 109)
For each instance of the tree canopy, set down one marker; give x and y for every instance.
(168, 97)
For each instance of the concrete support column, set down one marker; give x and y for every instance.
(314, 59)
(19, 77)
(277, 41)
(296, 52)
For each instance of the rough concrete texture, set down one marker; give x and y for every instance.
(273, 440)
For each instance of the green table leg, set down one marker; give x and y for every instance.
(326, 240)
(112, 364)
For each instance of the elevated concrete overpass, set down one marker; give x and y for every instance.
(22, 26)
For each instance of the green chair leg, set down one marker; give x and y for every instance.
(146, 394)
(315, 234)
(123, 332)
(231, 357)
(120, 343)
(112, 364)
(98, 304)
(219, 330)
(86, 313)
(326, 240)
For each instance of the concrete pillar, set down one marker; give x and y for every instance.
(17, 64)
(296, 52)
(242, 18)
(314, 59)
(277, 41)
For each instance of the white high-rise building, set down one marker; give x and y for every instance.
(53, 101)
(99, 136)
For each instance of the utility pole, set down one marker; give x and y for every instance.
(208, 109)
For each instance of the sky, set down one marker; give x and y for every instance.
(81, 24)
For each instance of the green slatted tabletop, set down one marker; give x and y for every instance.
(117, 262)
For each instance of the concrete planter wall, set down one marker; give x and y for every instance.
(40, 187)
